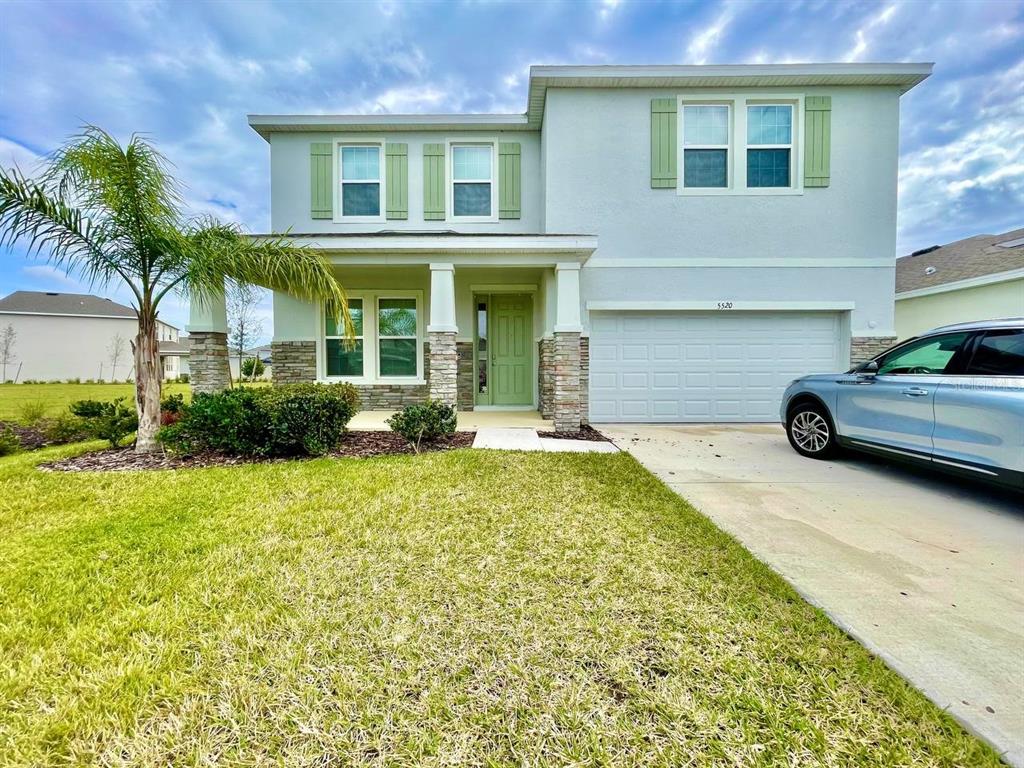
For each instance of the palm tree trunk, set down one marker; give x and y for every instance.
(147, 383)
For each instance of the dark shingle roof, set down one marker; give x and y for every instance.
(181, 347)
(976, 256)
(45, 303)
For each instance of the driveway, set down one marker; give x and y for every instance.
(924, 570)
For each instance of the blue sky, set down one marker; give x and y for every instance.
(187, 74)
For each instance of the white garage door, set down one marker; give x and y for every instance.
(704, 366)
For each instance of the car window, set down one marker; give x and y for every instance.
(925, 356)
(999, 353)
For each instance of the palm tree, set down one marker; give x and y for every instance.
(112, 213)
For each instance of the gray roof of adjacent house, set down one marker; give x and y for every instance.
(973, 257)
(48, 303)
(181, 347)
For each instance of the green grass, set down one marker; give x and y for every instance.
(469, 608)
(57, 397)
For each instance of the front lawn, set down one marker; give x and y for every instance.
(467, 608)
(57, 397)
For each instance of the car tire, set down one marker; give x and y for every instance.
(810, 431)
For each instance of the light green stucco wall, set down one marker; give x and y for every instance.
(986, 302)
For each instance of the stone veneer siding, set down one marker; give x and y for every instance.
(866, 347)
(444, 367)
(292, 362)
(584, 379)
(566, 409)
(465, 383)
(546, 376)
(208, 361)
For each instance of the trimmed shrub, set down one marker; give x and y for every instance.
(289, 420)
(171, 408)
(66, 428)
(426, 422)
(9, 442)
(183, 378)
(110, 421)
(253, 368)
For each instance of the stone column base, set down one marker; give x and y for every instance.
(466, 384)
(566, 398)
(293, 362)
(584, 379)
(208, 361)
(444, 367)
(866, 347)
(546, 376)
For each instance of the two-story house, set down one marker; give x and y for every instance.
(645, 243)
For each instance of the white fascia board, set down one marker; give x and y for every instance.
(717, 306)
(264, 125)
(68, 314)
(649, 71)
(782, 263)
(582, 245)
(959, 285)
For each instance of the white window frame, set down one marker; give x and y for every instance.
(339, 217)
(737, 160)
(357, 337)
(791, 146)
(371, 367)
(493, 181)
(728, 147)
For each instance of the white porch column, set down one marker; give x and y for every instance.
(208, 344)
(444, 361)
(567, 409)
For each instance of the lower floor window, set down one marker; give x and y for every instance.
(386, 342)
(345, 358)
(396, 336)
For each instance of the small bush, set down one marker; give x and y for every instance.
(253, 368)
(171, 409)
(110, 421)
(183, 378)
(426, 422)
(31, 413)
(9, 442)
(291, 420)
(66, 428)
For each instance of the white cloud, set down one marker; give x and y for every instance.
(49, 277)
(13, 154)
(704, 42)
(607, 8)
(861, 37)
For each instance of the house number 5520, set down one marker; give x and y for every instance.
(725, 305)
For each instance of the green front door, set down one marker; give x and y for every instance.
(511, 358)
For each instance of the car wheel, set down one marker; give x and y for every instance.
(810, 431)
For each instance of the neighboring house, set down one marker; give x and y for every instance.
(980, 278)
(61, 336)
(262, 352)
(645, 243)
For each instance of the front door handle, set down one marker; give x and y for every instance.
(915, 392)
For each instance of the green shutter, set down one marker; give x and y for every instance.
(663, 143)
(397, 170)
(433, 182)
(510, 179)
(818, 143)
(321, 197)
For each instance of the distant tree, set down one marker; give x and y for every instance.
(244, 326)
(253, 368)
(112, 213)
(7, 339)
(114, 351)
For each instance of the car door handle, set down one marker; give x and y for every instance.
(915, 392)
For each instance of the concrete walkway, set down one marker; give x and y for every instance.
(526, 439)
(925, 570)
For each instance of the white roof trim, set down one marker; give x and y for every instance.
(716, 306)
(441, 244)
(959, 285)
(264, 125)
(71, 314)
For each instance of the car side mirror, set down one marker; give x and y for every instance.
(867, 368)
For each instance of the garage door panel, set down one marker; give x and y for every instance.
(704, 366)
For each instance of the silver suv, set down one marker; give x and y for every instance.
(952, 398)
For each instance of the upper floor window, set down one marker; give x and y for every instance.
(360, 181)
(473, 180)
(769, 145)
(706, 145)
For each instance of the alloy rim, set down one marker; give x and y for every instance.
(810, 431)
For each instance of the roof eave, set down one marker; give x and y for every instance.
(265, 125)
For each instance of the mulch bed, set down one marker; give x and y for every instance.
(586, 432)
(355, 444)
(34, 438)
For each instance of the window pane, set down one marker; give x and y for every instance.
(396, 317)
(397, 357)
(360, 199)
(1000, 353)
(767, 167)
(355, 311)
(471, 163)
(925, 357)
(770, 124)
(360, 163)
(344, 360)
(705, 168)
(472, 199)
(705, 125)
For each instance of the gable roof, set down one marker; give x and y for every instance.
(899, 75)
(48, 303)
(973, 257)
